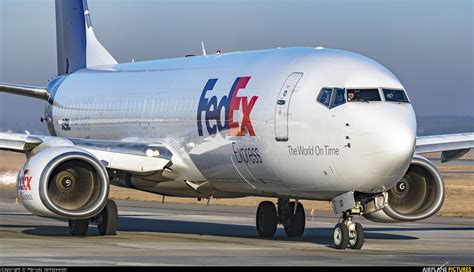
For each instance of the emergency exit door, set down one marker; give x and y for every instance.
(283, 106)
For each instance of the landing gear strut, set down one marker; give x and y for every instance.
(106, 221)
(290, 214)
(347, 233)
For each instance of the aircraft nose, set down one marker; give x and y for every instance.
(387, 142)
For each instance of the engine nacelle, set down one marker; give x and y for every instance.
(63, 182)
(418, 195)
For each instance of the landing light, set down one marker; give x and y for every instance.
(152, 153)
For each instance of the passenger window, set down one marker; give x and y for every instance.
(395, 96)
(324, 96)
(363, 95)
(339, 97)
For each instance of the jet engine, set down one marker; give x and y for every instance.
(63, 182)
(418, 195)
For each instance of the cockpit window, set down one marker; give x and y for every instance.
(332, 97)
(324, 96)
(339, 97)
(363, 95)
(392, 95)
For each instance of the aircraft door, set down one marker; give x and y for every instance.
(283, 105)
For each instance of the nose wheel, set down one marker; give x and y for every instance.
(356, 236)
(347, 233)
(341, 236)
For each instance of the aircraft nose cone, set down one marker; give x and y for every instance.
(387, 143)
(397, 142)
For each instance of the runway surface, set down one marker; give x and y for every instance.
(178, 234)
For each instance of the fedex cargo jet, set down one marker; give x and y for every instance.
(286, 123)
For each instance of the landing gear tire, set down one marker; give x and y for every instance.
(78, 227)
(108, 219)
(356, 240)
(267, 219)
(341, 236)
(295, 227)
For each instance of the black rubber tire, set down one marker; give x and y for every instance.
(297, 221)
(358, 242)
(342, 239)
(109, 219)
(78, 227)
(267, 219)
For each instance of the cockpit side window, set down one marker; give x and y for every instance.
(339, 97)
(393, 95)
(363, 95)
(324, 96)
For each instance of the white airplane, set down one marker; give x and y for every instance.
(286, 123)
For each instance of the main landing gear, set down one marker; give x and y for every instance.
(106, 221)
(290, 214)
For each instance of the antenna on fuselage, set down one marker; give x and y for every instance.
(203, 49)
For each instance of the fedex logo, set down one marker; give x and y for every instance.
(212, 109)
(24, 183)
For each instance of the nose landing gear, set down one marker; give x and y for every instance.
(347, 233)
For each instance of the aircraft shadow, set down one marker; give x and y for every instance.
(312, 235)
(321, 236)
(316, 235)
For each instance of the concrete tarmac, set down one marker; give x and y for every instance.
(179, 234)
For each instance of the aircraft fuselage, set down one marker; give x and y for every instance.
(250, 123)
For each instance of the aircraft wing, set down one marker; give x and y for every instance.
(136, 157)
(452, 146)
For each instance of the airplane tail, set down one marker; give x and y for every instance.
(78, 47)
(77, 44)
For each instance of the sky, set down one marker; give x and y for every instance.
(427, 44)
